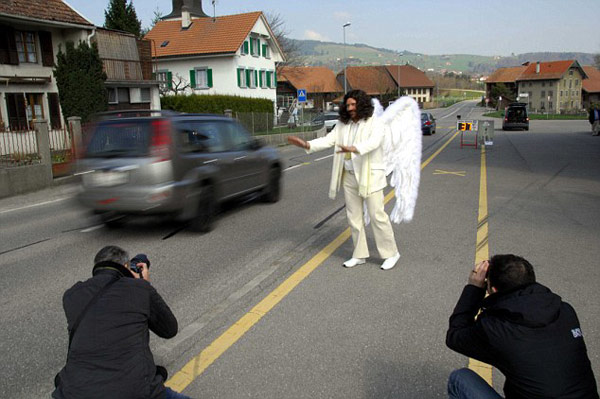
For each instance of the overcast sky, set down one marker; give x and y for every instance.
(484, 27)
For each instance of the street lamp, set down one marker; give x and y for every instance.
(398, 75)
(345, 83)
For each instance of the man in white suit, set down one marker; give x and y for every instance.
(358, 167)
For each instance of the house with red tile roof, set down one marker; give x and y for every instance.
(387, 82)
(230, 54)
(31, 32)
(591, 86)
(319, 82)
(552, 86)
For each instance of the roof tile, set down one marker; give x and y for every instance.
(506, 75)
(223, 34)
(409, 76)
(548, 70)
(592, 83)
(374, 80)
(313, 79)
(47, 10)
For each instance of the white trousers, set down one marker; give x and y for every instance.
(382, 227)
(596, 128)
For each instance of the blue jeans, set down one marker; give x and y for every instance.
(171, 394)
(467, 384)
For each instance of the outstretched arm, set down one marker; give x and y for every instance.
(298, 142)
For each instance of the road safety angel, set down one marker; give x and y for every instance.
(371, 143)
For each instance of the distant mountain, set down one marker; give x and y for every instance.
(331, 55)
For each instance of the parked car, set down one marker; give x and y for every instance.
(428, 125)
(329, 119)
(183, 165)
(515, 117)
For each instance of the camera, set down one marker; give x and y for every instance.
(141, 258)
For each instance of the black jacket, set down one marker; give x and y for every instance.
(528, 334)
(110, 356)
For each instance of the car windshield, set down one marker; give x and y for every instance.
(424, 117)
(120, 138)
(331, 117)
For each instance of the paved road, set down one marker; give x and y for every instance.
(356, 333)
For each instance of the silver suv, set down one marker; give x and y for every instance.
(183, 165)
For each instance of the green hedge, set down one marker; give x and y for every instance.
(215, 104)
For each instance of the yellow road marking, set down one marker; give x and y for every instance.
(196, 366)
(482, 253)
(447, 172)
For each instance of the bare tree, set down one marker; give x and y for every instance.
(178, 85)
(290, 47)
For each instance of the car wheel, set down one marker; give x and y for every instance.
(205, 213)
(272, 193)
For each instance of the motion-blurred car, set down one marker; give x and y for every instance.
(515, 117)
(182, 165)
(427, 123)
(329, 119)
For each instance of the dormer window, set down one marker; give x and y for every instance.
(255, 47)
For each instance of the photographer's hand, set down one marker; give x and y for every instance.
(145, 272)
(477, 275)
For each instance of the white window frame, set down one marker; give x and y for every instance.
(253, 82)
(273, 80)
(198, 72)
(263, 76)
(163, 83)
(242, 74)
(255, 47)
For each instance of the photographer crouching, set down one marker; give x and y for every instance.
(109, 317)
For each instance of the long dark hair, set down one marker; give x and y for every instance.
(364, 108)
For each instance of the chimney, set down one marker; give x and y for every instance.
(194, 7)
(537, 67)
(186, 18)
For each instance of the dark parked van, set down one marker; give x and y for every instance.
(515, 117)
(182, 165)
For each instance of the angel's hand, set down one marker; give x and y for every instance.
(346, 148)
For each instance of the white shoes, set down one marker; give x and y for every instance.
(353, 262)
(390, 262)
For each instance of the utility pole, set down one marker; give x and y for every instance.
(345, 82)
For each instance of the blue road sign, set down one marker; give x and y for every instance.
(301, 95)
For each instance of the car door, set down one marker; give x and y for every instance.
(249, 168)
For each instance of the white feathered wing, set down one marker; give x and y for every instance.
(402, 153)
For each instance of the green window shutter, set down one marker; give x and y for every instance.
(255, 76)
(209, 77)
(192, 78)
(170, 79)
(260, 79)
(264, 50)
(269, 78)
(248, 77)
(251, 46)
(153, 75)
(245, 47)
(239, 78)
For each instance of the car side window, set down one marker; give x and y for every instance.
(201, 136)
(239, 138)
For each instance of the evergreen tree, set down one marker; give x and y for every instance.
(122, 16)
(80, 80)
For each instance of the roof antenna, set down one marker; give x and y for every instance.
(214, 10)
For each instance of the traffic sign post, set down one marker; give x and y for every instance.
(486, 133)
(466, 126)
(301, 95)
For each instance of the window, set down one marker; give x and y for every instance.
(239, 138)
(530, 84)
(123, 95)
(201, 136)
(201, 78)
(561, 93)
(241, 76)
(254, 47)
(26, 46)
(543, 84)
(112, 95)
(263, 79)
(543, 93)
(542, 105)
(570, 84)
(550, 93)
(576, 82)
(244, 49)
(145, 95)
(266, 52)
(550, 106)
(570, 72)
(165, 80)
(15, 107)
(251, 76)
(274, 80)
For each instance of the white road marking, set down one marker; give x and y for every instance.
(92, 228)
(293, 167)
(320, 159)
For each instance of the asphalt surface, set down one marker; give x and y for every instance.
(340, 333)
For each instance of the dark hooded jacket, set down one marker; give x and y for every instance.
(530, 335)
(110, 354)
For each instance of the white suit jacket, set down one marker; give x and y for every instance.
(368, 163)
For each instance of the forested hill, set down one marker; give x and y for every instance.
(331, 55)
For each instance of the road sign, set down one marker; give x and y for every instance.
(301, 95)
(466, 126)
